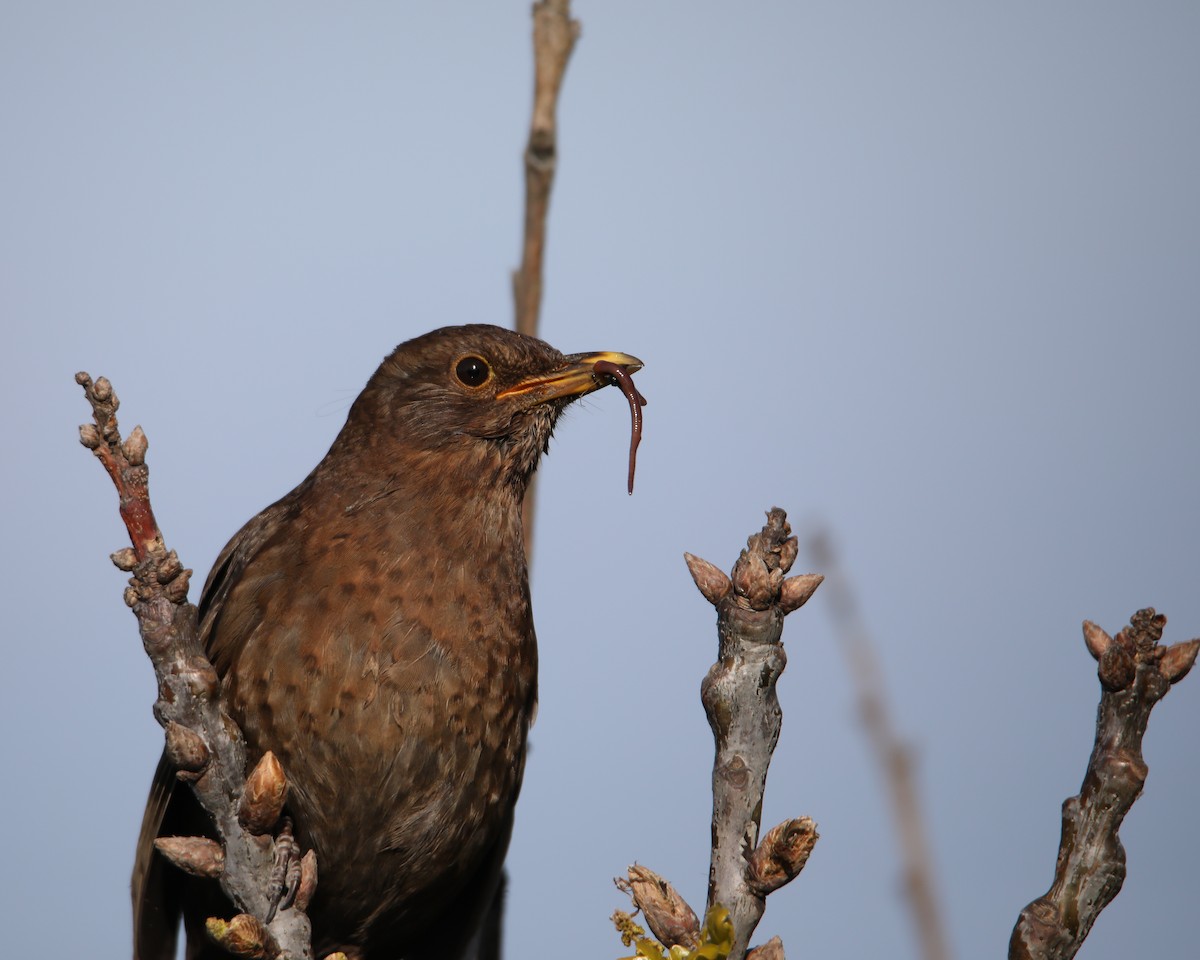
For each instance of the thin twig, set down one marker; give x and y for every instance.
(1135, 673)
(554, 36)
(202, 742)
(891, 753)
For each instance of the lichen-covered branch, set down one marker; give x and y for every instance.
(891, 754)
(1135, 673)
(201, 740)
(739, 697)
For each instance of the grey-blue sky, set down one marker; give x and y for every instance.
(926, 273)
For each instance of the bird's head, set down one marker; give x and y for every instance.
(491, 394)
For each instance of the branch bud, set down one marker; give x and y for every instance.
(243, 936)
(201, 678)
(198, 856)
(666, 913)
(771, 950)
(168, 568)
(186, 750)
(797, 591)
(1117, 668)
(102, 389)
(1178, 660)
(135, 444)
(1143, 632)
(1096, 638)
(124, 559)
(262, 800)
(89, 436)
(710, 580)
(753, 581)
(781, 855)
(176, 589)
(788, 550)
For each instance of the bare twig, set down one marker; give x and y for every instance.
(554, 36)
(892, 755)
(1135, 673)
(744, 713)
(202, 741)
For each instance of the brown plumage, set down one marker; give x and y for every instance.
(373, 629)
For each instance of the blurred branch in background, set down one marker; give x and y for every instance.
(1135, 673)
(893, 756)
(554, 36)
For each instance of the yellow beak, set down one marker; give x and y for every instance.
(574, 379)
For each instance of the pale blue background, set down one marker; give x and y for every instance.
(926, 272)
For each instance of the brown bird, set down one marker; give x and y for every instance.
(373, 629)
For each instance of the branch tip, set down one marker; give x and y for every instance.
(1144, 631)
(739, 696)
(1135, 674)
(775, 543)
(756, 582)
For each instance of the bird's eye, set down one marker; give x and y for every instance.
(473, 371)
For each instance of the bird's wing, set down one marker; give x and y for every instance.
(171, 810)
(223, 641)
(155, 902)
(159, 889)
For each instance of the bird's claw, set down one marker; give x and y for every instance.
(285, 873)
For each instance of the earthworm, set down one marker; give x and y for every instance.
(621, 377)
